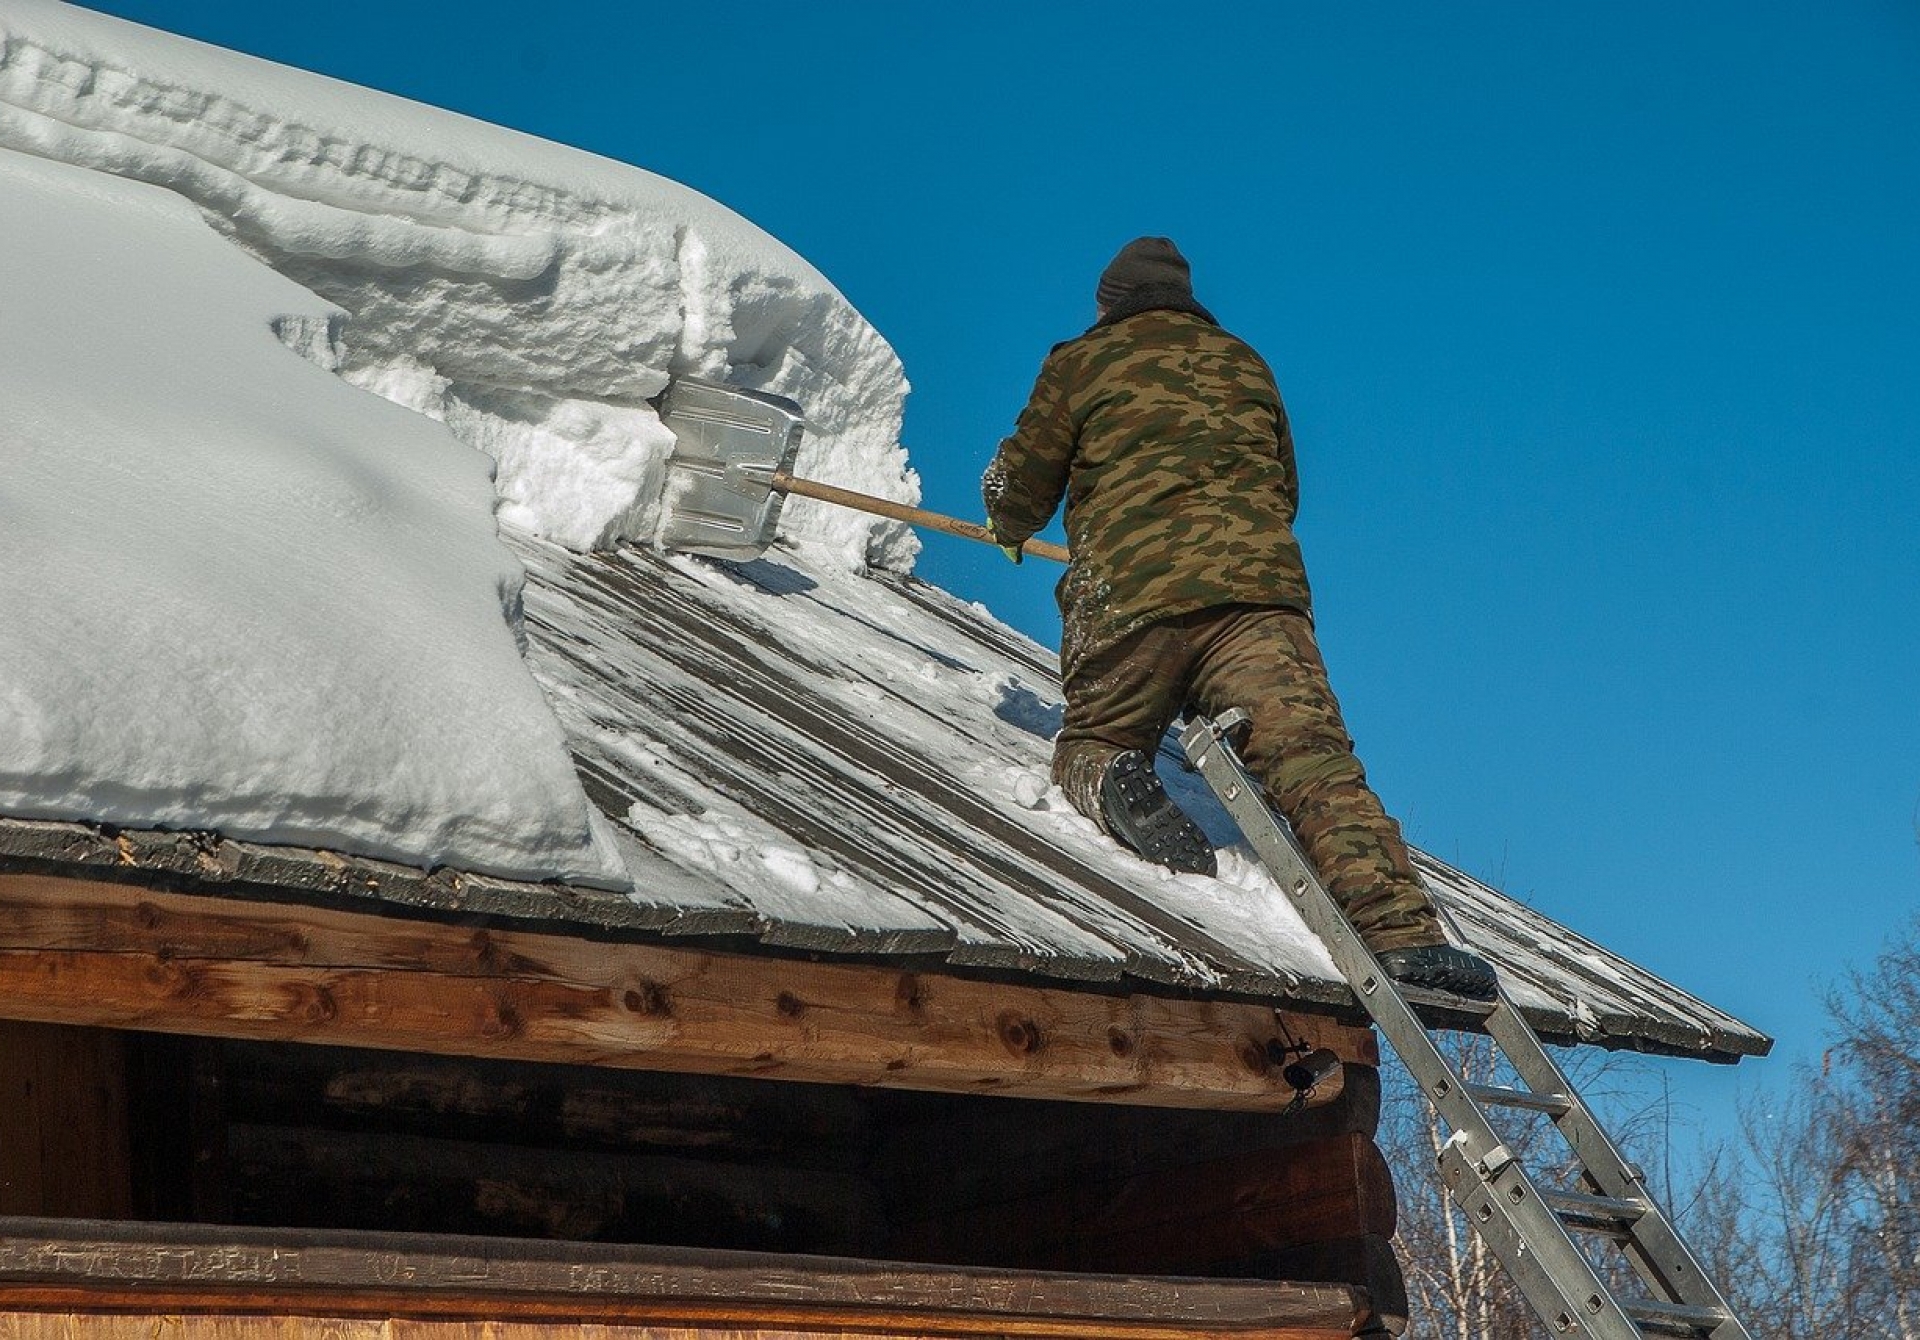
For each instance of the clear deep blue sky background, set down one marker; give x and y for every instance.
(1599, 326)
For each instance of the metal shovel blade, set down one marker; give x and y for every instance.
(728, 445)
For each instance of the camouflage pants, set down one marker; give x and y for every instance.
(1263, 660)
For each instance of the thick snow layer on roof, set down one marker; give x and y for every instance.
(239, 593)
(532, 296)
(244, 594)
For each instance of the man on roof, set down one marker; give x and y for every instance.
(1167, 439)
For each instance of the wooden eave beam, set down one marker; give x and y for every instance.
(73, 1275)
(93, 952)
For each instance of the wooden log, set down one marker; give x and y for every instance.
(369, 1167)
(1015, 1152)
(313, 1177)
(565, 1107)
(257, 1279)
(63, 1122)
(914, 516)
(270, 1318)
(90, 952)
(1367, 1261)
(1182, 1221)
(178, 1115)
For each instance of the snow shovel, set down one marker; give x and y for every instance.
(731, 471)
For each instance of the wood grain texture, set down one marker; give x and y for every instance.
(1367, 1261)
(97, 953)
(1017, 1152)
(297, 1176)
(52, 1275)
(178, 1323)
(569, 1107)
(1187, 1220)
(785, 482)
(63, 1122)
(343, 1138)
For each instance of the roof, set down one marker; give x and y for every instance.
(797, 759)
(898, 733)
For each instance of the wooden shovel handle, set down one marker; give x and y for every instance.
(865, 502)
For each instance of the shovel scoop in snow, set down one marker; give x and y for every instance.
(731, 471)
(729, 445)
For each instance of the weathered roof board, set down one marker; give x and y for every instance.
(877, 721)
(827, 762)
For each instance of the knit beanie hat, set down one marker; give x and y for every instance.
(1143, 261)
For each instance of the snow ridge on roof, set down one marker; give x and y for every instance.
(232, 580)
(252, 599)
(534, 297)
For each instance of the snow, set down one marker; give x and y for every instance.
(234, 581)
(1242, 907)
(281, 354)
(1029, 789)
(905, 753)
(532, 296)
(251, 584)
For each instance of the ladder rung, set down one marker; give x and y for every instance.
(1596, 1214)
(1493, 1095)
(1673, 1318)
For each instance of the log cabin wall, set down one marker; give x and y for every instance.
(64, 1129)
(182, 1282)
(322, 1069)
(1087, 1187)
(321, 1137)
(277, 1135)
(271, 1134)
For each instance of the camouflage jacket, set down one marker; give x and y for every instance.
(1167, 438)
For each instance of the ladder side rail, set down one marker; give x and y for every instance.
(1652, 1245)
(1490, 1185)
(1280, 852)
(1536, 1252)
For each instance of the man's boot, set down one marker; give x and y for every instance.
(1139, 813)
(1458, 972)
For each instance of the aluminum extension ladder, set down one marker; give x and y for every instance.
(1528, 1227)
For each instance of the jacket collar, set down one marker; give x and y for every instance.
(1155, 298)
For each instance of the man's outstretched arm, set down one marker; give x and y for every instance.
(1027, 477)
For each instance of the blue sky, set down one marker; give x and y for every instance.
(1599, 327)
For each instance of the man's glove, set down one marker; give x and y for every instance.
(1012, 551)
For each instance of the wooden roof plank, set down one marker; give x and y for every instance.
(191, 1269)
(683, 706)
(746, 721)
